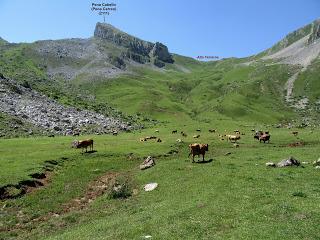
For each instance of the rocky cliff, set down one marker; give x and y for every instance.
(137, 49)
(315, 32)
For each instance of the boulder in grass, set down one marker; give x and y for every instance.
(148, 163)
(150, 186)
(270, 164)
(316, 163)
(291, 161)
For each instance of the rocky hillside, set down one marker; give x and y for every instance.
(302, 49)
(108, 54)
(24, 103)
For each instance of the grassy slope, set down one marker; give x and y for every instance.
(233, 197)
(224, 89)
(217, 90)
(307, 83)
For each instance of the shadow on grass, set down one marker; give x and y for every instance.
(88, 152)
(205, 161)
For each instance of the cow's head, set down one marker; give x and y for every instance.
(205, 147)
(75, 144)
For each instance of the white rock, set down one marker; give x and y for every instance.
(150, 186)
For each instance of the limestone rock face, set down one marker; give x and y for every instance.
(161, 52)
(315, 33)
(137, 50)
(110, 33)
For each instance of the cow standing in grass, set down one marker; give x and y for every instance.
(197, 149)
(265, 138)
(83, 144)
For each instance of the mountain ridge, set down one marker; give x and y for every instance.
(143, 79)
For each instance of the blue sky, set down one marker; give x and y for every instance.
(223, 28)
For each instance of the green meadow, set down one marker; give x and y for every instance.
(231, 196)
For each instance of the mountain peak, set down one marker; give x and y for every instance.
(138, 50)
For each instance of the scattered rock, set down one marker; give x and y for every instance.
(150, 186)
(148, 163)
(316, 163)
(43, 112)
(270, 164)
(291, 161)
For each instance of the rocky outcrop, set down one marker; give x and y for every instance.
(39, 110)
(161, 52)
(315, 33)
(111, 34)
(138, 50)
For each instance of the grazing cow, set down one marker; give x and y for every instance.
(51, 135)
(76, 134)
(212, 130)
(196, 136)
(183, 134)
(264, 137)
(159, 140)
(257, 135)
(197, 149)
(198, 130)
(233, 138)
(83, 144)
(143, 139)
(174, 131)
(114, 133)
(295, 133)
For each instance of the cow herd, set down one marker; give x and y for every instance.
(195, 148)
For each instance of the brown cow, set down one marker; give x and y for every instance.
(197, 149)
(257, 135)
(264, 137)
(83, 144)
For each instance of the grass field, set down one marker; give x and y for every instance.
(234, 196)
